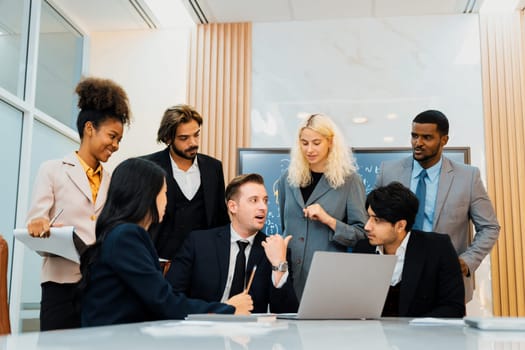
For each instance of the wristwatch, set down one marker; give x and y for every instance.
(282, 267)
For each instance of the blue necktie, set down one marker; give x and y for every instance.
(421, 193)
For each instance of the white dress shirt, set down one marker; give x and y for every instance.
(189, 181)
(234, 249)
(400, 253)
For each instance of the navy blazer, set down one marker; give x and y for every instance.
(431, 281)
(166, 239)
(126, 285)
(200, 270)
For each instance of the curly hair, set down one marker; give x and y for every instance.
(99, 100)
(340, 162)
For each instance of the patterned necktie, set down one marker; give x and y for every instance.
(421, 193)
(239, 274)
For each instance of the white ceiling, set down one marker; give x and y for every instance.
(109, 15)
(300, 10)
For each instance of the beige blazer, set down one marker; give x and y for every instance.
(63, 184)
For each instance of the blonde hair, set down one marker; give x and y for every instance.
(340, 162)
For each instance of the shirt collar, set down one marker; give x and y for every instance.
(194, 166)
(86, 167)
(400, 250)
(234, 236)
(432, 172)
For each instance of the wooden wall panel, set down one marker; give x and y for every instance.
(502, 45)
(219, 87)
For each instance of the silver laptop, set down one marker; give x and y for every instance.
(345, 286)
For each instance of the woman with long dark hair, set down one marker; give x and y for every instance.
(122, 281)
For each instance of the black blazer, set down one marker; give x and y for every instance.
(200, 270)
(126, 285)
(166, 239)
(431, 281)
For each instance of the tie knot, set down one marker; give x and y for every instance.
(242, 245)
(423, 174)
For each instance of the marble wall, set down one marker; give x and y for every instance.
(382, 70)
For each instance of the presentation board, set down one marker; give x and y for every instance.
(272, 162)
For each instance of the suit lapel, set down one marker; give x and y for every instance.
(103, 190)
(406, 172)
(165, 163)
(76, 174)
(445, 183)
(222, 245)
(412, 268)
(320, 189)
(207, 187)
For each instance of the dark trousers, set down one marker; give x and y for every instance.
(57, 308)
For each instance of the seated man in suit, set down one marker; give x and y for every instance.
(427, 279)
(215, 264)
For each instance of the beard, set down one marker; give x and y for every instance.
(426, 157)
(185, 153)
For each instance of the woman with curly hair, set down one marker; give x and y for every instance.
(321, 196)
(76, 184)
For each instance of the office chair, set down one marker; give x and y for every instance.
(5, 326)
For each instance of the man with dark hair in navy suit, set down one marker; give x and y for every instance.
(427, 280)
(217, 264)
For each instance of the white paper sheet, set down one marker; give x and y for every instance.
(60, 242)
(432, 321)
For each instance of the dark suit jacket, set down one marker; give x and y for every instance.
(166, 239)
(126, 285)
(461, 198)
(431, 281)
(200, 270)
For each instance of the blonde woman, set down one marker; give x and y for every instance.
(321, 196)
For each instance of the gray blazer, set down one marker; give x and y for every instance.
(346, 204)
(461, 197)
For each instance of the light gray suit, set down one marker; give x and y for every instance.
(346, 204)
(461, 197)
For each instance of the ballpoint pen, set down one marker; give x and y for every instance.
(52, 221)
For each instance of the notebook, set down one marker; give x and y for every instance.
(345, 286)
(496, 323)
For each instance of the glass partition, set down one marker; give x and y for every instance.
(59, 66)
(10, 142)
(12, 45)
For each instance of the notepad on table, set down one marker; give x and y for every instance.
(232, 318)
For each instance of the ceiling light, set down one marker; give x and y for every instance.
(392, 116)
(388, 139)
(360, 120)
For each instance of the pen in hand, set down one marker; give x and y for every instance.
(52, 221)
(252, 275)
